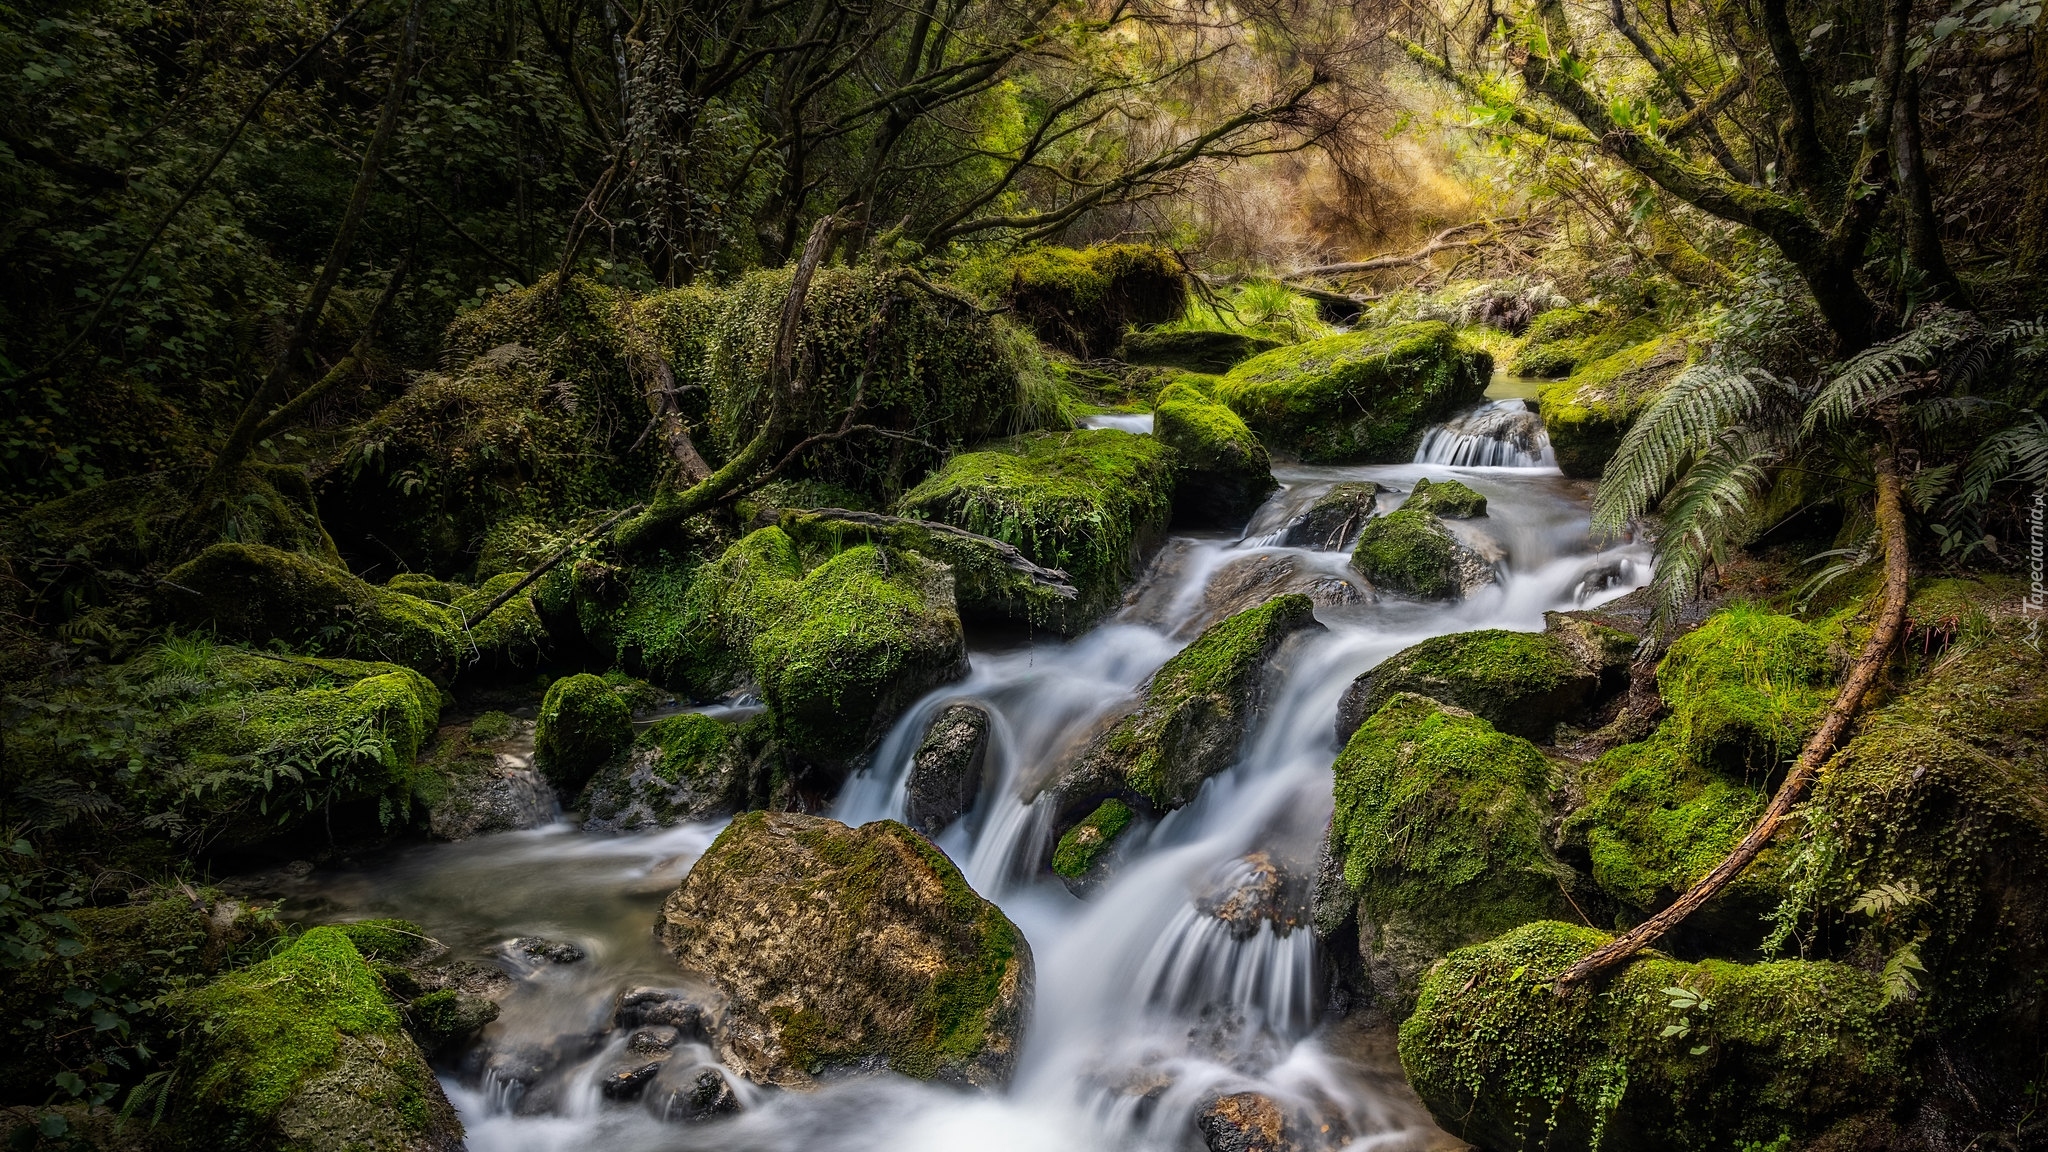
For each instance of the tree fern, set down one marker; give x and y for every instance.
(1712, 507)
(1701, 404)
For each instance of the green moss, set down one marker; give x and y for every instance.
(1745, 687)
(583, 725)
(1655, 822)
(1441, 826)
(1092, 503)
(1084, 843)
(1361, 397)
(1764, 1049)
(491, 727)
(395, 941)
(512, 636)
(1564, 339)
(127, 523)
(655, 617)
(1197, 350)
(427, 587)
(688, 743)
(1222, 472)
(1521, 682)
(259, 594)
(1587, 414)
(1081, 300)
(1408, 551)
(262, 1033)
(984, 583)
(1451, 498)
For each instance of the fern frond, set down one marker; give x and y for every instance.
(1942, 411)
(1712, 508)
(2017, 453)
(1885, 371)
(1702, 403)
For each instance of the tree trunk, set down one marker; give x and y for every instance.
(1890, 615)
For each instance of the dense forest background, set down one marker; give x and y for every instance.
(472, 325)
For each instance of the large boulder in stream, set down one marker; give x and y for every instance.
(583, 725)
(1187, 728)
(1440, 839)
(1588, 413)
(1363, 397)
(1334, 521)
(1413, 552)
(1523, 683)
(1093, 503)
(684, 767)
(304, 1051)
(1222, 473)
(845, 950)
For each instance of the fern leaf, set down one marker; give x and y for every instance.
(1698, 406)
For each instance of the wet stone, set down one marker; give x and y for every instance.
(551, 951)
(677, 1010)
(659, 1038)
(627, 1083)
(1244, 1122)
(691, 1095)
(945, 773)
(1254, 891)
(1334, 520)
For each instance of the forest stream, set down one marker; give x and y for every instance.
(1148, 1005)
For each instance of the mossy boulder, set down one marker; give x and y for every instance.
(1193, 717)
(946, 770)
(1523, 683)
(1744, 689)
(1082, 300)
(1078, 856)
(1334, 521)
(1440, 839)
(842, 949)
(1195, 350)
(685, 767)
(304, 1051)
(480, 777)
(1092, 503)
(1663, 1055)
(1362, 397)
(1560, 340)
(838, 650)
(1587, 414)
(1410, 551)
(1221, 471)
(1450, 499)
(649, 616)
(583, 726)
(257, 593)
(128, 522)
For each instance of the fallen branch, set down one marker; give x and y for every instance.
(1884, 632)
(562, 553)
(1443, 241)
(1054, 580)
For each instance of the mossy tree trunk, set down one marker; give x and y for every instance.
(1888, 618)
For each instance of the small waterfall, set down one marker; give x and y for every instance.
(1140, 423)
(1497, 434)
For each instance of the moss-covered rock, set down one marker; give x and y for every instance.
(1196, 350)
(583, 726)
(1744, 690)
(1587, 414)
(1523, 683)
(1191, 721)
(304, 1051)
(480, 777)
(1079, 854)
(128, 522)
(1664, 1055)
(257, 593)
(842, 949)
(841, 649)
(685, 767)
(1440, 839)
(1450, 499)
(1092, 503)
(1334, 521)
(1081, 300)
(1562, 339)
(1409, 551)
(1221, 471)
(1362, 397)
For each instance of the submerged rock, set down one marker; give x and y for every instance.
(689, 1093)
(1663, 1054)
(1523, 683)
(1244, 1122)
(1439, 839)
(303, 1051)
(840, 950)
(946, 770)
(540, 948)
(1246, 583)
(1359, 398)
(1188, 727)
(1221, 471)
(1094, 504)
(1335, 519)
(1255, 891)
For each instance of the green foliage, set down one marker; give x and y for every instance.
(1083, 844)
(1081, 300)
(1440, 829)
(1587, 414)
(583, 725)
(1408, 551)
(1792, 1046)
(1362, 397)
(1223, 473)
(1092, 503)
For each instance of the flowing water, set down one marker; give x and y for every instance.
(1147, 1003)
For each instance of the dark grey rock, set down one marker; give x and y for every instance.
(946, 771)
(1332, 523)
